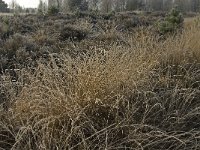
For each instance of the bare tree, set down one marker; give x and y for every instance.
(16, 8)
(195, 5)
(13, 5)
(106, 5)
(93, 4)
(119, 5)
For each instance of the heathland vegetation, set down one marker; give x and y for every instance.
(91, 80)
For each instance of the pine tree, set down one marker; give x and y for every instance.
(77, 5)
(40, 7)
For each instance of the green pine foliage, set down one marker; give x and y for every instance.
(3, 6)
(173, 22)
(53, 10)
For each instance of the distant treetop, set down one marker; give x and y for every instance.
(3, 6)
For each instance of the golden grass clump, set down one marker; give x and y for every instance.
(56, 89)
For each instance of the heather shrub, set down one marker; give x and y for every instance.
(72, 33)
(12, 44)
(4, 30)
(53, 10)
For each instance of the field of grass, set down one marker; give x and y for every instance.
(89, 87)
(6, 14)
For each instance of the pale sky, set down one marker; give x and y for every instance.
(25, 3)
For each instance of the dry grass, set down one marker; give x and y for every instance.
(6, 14)
(141, 96)
(11, 14)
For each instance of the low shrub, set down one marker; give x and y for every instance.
(12, 44)
(72, 33)
(53, 10)
(5, 31)
(172, 22)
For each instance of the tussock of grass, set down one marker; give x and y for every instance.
(141, 96)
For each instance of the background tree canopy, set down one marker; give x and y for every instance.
(3, 6)
(126, 5)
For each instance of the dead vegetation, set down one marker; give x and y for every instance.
(107, 90)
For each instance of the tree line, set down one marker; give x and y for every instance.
(107, 5)
(14, 7)
(3, 6)
(125, 5)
